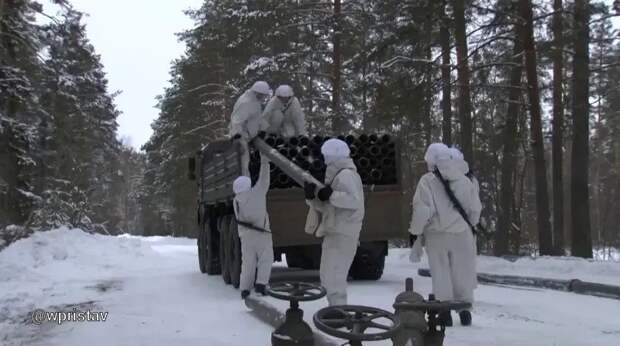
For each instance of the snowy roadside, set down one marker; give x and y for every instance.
(150, 286)
(562, 268)
(155, 295)
(503, 314)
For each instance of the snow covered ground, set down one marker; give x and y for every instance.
(150, 286)
(155, 295)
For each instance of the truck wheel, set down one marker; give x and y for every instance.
(234, 246)
(298, 258)
(201, 242)
(211, 254)
(294, 258)
(312, 257)
(224, 224)
(368, 264)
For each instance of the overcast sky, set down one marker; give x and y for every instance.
(136, 41)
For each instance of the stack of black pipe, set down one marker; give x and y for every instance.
(374, 156)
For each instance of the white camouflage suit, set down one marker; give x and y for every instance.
(450, 244)
(256, 246)
(286, 120)
(245, 120)
(341, 227)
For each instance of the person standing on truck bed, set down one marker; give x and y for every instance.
(341, 202)
(250, 205)
(283, 114)
(246, 118)
(445, 206)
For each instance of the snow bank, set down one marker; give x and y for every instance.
(11, 233)
(563, 268)
(63, 266)
(70, 254)
(151, 287)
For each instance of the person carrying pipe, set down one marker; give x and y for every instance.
(341, 203)
(445, 205)
(245, 119)
(283, 114)
(250, 205)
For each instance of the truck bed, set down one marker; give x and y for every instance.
(288, 210)
(220, 165)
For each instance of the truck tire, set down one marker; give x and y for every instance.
(211, 253)
(224, 224)
(304, 257)
(209, 249)
(234, 253)
(201, 242)
(312, 257)
(369, 261)
(293, 259)
(208, 258)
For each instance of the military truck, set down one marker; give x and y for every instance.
(215, 167)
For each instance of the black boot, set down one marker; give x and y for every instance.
(465, 317)
(445, 318)
(260, 288)
(245, 294)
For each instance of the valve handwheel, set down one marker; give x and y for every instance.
(296, 291)
(355, 322)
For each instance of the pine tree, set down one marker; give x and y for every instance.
(542, 198)
(464, 99)
(558, 127)
(20, 113)
(603, 172)
(80, 149)
(581, 244)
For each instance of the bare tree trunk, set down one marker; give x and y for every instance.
(509, 161)
(580, 205)
(517, 227)
(558, 128)
(545, 238)
(464, 101)
(339, 122)
(446, 90)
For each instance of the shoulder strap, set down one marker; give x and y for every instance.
(287, 106)
(251, 226)
(336, 175)
(454, 200)
(247, 224)
(470, 175)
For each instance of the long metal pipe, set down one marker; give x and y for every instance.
(286, 165)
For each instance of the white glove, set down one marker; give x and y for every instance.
(417, 251)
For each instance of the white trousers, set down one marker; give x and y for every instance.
(256, 258)
(245, 157)
(452, 261)
(338, 251)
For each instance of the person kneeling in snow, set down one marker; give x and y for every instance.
(341, 203)
(448, 234)
(250, 204)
